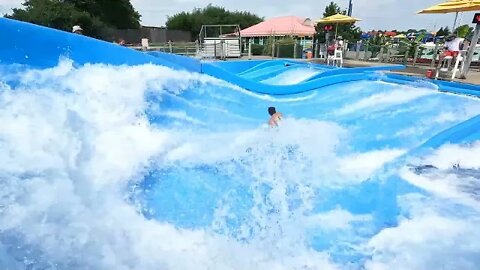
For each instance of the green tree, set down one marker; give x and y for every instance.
(115, 13)
(440, 32)
(92, 15)
(463, 30)
(332, 9)
(348, 31)
(443, 31)
(446, 31)
(55, 14)
(193, 21)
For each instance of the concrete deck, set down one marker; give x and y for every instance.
(473, 76)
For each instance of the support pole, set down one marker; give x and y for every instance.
(249, 49)
(357, 49)
(455, 22)
(273, 48)
(415, 55)
(295, 50)
(434, 55)
(471, 51)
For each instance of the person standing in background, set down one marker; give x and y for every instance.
(77, 30)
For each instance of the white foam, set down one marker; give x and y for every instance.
(72, 140)
(292, 76)
(76, 137)
(361, 166)
(427, 240)
(381, 100)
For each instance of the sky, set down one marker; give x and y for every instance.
(375, 14)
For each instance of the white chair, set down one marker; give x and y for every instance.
(336, 58)
(444, 66)
(457, 63)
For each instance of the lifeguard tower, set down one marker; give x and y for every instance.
(220, 41)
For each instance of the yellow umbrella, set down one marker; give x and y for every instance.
(400, 36)
(336, 19)
(453, 6)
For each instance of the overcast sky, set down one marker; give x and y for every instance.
(376, 14)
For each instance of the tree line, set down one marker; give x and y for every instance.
(92, 15)
(95, 15)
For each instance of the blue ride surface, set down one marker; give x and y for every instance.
(322, 191)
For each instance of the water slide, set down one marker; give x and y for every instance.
(117, 159)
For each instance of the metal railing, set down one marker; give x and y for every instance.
(181, 48)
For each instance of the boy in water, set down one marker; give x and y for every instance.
(275, 117)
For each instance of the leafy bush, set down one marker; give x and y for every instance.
(257, 49)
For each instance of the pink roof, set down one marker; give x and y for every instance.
(281, 26)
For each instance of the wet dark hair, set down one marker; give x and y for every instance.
(272, 110)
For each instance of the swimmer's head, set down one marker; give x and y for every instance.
(272, 110)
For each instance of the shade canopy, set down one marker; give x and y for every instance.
(452, 6)
(338, 18)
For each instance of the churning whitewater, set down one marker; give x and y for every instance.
(144, 167)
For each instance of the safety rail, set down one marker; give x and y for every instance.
(181, 48)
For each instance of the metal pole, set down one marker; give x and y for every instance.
(222, 49)
(455, 22)
(273, 48)
(295, 50)
(357, 53)
(380, 56)
(365, 57)
(434, 56)
(170, 46)
(350, 7)
(249, 49)
(471, 51)
(415, 55)
(214, 49)
(336, 31)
